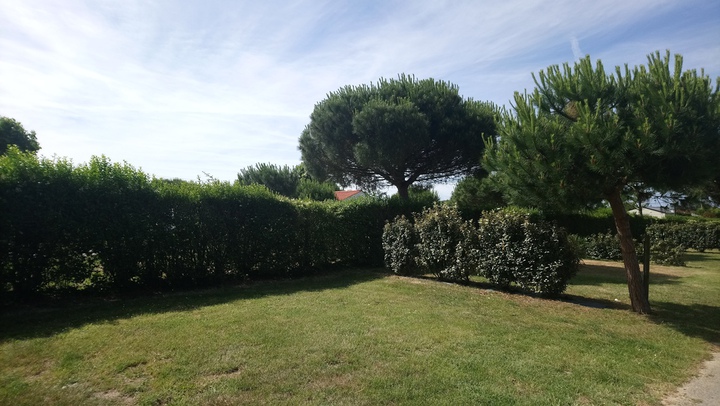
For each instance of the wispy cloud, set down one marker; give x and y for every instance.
(179, 88)
(575, 45)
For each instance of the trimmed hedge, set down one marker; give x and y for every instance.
(599, 221)
(507, 247)
(105, 225)
(668, 241)
(697, 235)
(603, 246)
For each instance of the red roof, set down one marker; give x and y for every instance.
(346, 194)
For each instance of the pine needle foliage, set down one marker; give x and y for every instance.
(395, 132)
(583, 134)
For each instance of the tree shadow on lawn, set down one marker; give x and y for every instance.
(694, 320)
(50, 316)
(597, 273)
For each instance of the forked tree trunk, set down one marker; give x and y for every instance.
(638, 298)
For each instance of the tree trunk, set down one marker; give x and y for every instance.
(403, 191)
(638, 298)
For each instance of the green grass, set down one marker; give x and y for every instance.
(360, 337)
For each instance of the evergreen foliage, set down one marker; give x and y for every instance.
(534, 255)
(602, 246)
(583, 135)
(400, 247)
(442, 234)
(474, 195)
(395, 132)
(293, 182)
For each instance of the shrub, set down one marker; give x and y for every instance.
(663, 252)
(537, 256)
(603, 246)
(598, 221)
(506, 248)
(441, 233)
(399, 244)
(709, 212)
(578, 244)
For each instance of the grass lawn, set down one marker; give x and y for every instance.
(361, 337)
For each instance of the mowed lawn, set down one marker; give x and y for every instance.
(361, 337)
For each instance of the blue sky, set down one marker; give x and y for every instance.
(183, 88)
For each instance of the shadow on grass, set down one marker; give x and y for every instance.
(695, 320)
(49, 316)
(696, 256)
(593, 274)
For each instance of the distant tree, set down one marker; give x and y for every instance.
(421, 193)
(293, 182)
(395, 132)
(282, 180)
(583, 135)
(13, 133)
(311, 189)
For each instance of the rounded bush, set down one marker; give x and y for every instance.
(536, 256)
(399, 240)
(441, 234)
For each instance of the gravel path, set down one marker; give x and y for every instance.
(702, 390)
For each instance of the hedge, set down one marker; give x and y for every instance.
(507, 247)
(668, 241)
(105, 225)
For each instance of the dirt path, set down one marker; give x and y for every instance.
(702, 390)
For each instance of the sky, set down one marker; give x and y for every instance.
(190, 89)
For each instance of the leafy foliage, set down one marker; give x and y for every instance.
(697, 235)
(104, 225)
(13, 133)
(506, 248)
(397, 132)
(536, 256)
(663, 252)
(602, 246)
(282, 180)
(474, 195)
(441, 234)
(400, 247)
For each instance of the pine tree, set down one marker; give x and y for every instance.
(583, 135)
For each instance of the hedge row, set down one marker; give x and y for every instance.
(105, 225)
(668, 241)
(600, 221)
(697, 235)
(506, 248)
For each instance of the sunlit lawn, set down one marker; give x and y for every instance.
(360, 337)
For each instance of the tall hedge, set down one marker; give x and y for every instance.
(107, 225)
